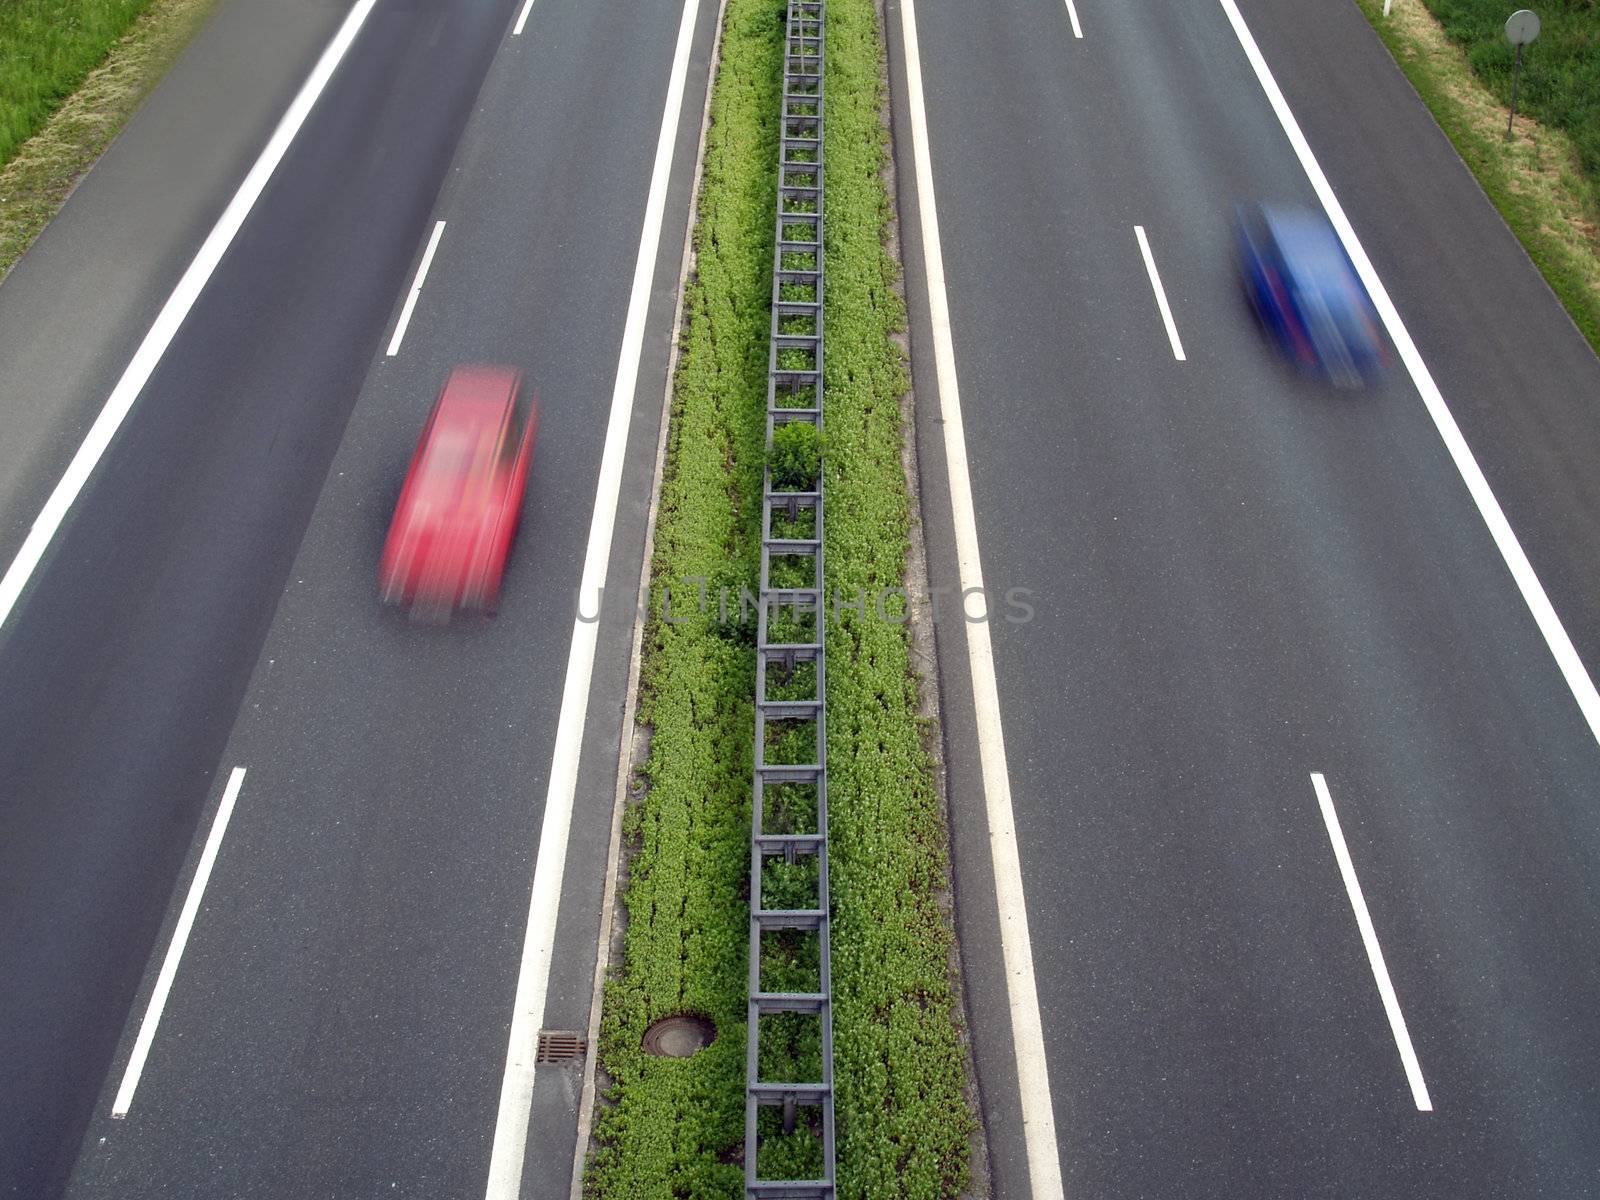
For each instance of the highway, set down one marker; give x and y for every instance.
(1250, 591)
(1303, 792)
(340, 1016)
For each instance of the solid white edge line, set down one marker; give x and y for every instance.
(1072, 15)
(416, 290)
(1369, 938)
(522, 18)
(1533, 593)
(516, 1091)
(610, 898)
(171, 317)
(1161, 295)
(1033, 1079)
(180, 938)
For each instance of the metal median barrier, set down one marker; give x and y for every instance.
(789, 1051)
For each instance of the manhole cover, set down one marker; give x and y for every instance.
(679, 1036)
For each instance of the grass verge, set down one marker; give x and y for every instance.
(46, 48)
(1560, 84)
(675, 1127)
(1538, 181)
(68, 83)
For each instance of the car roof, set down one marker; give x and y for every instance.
(1308, 245)
(477, 393)
(473, 402)
(471, 414)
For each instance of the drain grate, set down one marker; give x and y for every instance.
(559, 1046)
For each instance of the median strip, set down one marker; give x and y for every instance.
(674, 1126)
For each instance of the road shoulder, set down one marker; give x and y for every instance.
(75, 306)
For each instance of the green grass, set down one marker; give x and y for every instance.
(46, 49)
(1560, 85)
(71, 73)
(1538, 181)
(674, 1128)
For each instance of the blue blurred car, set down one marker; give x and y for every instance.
(1307, 294)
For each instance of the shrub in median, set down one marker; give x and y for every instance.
(795, 457)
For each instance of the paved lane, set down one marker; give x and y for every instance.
(1242, 579)
(339, 1022)
(1523, 386)
(126, 664)
(120, 672)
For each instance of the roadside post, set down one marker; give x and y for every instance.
(1521, 28)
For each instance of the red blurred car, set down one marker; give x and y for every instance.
(459, 506)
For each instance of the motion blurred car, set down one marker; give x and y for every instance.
(1306, 292)
(462, 497)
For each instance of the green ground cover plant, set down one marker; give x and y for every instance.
(674, 1128)
(46, 48)
(71, 73)
(1546, 181)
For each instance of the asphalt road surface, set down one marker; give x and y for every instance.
(338, 1025)
(1243, 586)
(1241, 578)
